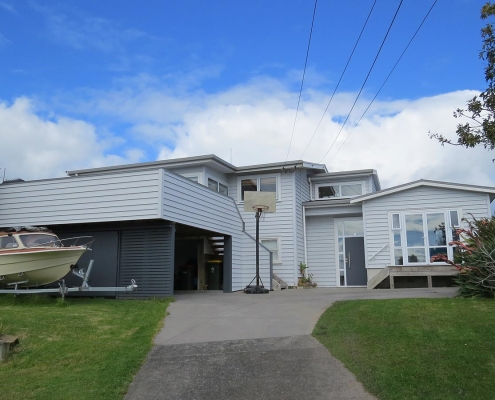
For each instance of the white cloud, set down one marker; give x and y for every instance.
(256, 125)
(32, 147)
(253, 122)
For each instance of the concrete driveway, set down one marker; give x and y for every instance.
(239, 346)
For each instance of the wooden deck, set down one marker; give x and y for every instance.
(393, 271)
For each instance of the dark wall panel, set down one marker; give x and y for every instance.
(147, 255)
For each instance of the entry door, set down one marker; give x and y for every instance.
(354, 261)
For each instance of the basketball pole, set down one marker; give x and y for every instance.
(258, 213)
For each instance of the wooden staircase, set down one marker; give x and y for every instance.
(217, 244)
(398, 270)
(280, 282)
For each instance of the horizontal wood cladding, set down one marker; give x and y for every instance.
(249, 261)
(91, 199)
(147, 255)
(189, 203)
(376, 214)
(320, 242)
(281, 225)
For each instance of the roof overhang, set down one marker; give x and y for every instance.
(360, 173)
(288, 166)
(424, 182)
(206, 160)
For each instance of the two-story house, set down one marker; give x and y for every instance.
(180, 224)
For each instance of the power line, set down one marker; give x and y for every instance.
(386, 79)
(340, 79)
(367, 76)
(302, 81)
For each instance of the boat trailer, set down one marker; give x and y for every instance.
(63, 289)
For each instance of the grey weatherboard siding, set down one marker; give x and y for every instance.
(72, 200)
(275, 225)
(376, 214)
(320, 239)
(192, 204)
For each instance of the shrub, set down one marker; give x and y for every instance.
(475, 258)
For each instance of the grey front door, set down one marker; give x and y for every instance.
(354, 261)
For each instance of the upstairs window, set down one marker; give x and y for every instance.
(325, 191)
(218, 187)
(265, 184)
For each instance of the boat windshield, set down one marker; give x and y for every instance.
(39, 240)
(8, 242)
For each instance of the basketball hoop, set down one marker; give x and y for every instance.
(261, 210)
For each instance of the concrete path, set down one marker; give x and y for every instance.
(238, 346)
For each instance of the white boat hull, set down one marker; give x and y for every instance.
(38, 266)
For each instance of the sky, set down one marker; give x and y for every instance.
(90, 83)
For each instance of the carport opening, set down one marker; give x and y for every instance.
(199, 260)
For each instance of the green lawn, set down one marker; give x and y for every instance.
(90, 349)
(415, 348)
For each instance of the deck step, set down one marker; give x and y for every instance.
(280, 282)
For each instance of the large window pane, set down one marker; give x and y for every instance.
(248, 185)
(397, 239)
(414, 230)
(399, 259)
(212, 184)
(434, 251)
(223, 189)
(416, 255)
(351, 190)
(436, 229)
(454, 218)
(395, 221)
(268, 184)
(352, 228)
(272, 245)
(325, 192)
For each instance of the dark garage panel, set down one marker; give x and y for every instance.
(105, 255)
(147, 255)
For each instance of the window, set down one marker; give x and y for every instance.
(192, 177)
(419, 236)
(218, 187)
(272, 244)
(8, 242)
(265, 184)
(325, 191)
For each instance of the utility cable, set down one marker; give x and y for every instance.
(340, 79)
(386, 79)
(302, 81)
(367, 76)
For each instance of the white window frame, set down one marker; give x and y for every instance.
(196, 175)
(427, 246)
(277, 239)
(257, 178)
(218, 182)
(339, 185)
(342, 253)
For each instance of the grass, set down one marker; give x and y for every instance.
(415, 348)
(77, 349)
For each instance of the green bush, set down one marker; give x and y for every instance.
(475, 258)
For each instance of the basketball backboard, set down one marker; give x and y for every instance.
(252, 199)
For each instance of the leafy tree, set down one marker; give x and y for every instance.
(480, 130)
(474, 258)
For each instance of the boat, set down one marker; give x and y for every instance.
(33, 256)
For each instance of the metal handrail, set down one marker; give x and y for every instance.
(87, 241)
(374, 255)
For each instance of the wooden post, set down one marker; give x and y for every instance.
(430, 284)
(392, 286)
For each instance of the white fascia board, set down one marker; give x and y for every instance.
(423, 182)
